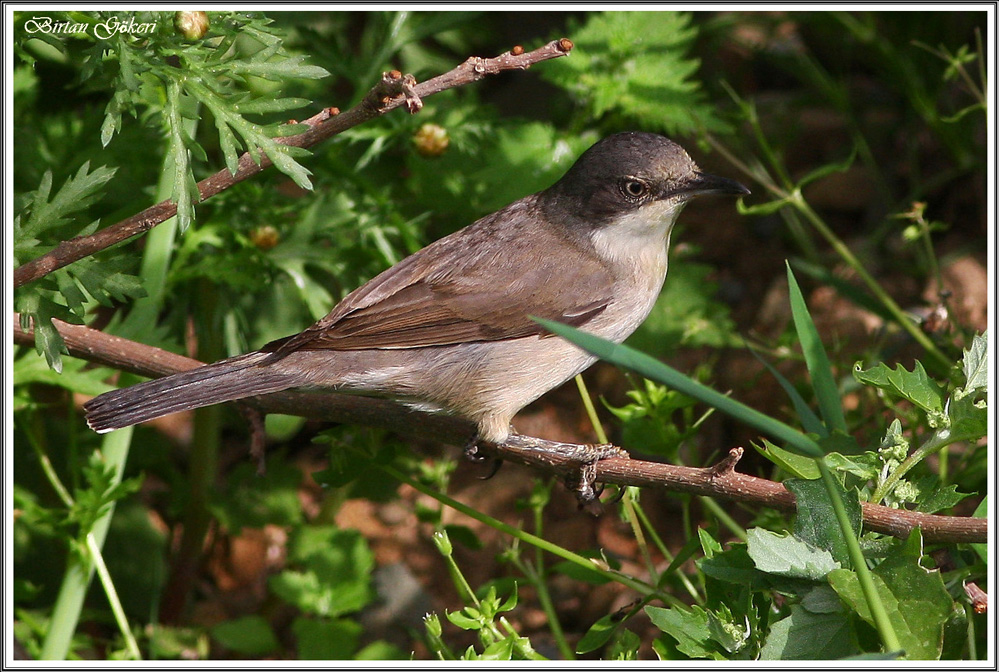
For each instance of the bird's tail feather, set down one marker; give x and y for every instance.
(227, 380)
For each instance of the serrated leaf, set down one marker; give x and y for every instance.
(975, 364)
(788, 556)
(297, 172)
(75, 375)
(76, 194)
(915, 599)
(636, 64)
(915, 386)
(689, 628)
(968, 418)
(933, 498)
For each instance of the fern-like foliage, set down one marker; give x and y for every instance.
(637, 65)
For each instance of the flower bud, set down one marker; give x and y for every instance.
(431, 140)
(192, 25)
(265, 237)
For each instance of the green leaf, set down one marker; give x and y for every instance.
(788, 556)
(829, 168)
(916, 599)
(248, 635)
(77, 193)
(932, 497)
(185, 191)
(823, 383)
(817, 629)
(254, 500)
(599, 633)
(466, 619)
(793, 463)
(915, 386)
(269, 105)
(76, 375)
(326, 639)
(968, 417)
(734, 566)
(636, 65)
(975, 364)
(982, 511)
(687, 313)
(335, 576)
(287, 68)
(816, 521)
(689, 628)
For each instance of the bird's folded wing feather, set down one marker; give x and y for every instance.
(450, 292)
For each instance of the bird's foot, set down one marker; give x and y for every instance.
(582, 479)
(473, 454)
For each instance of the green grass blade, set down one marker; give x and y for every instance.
(819, 368)
(655, 370)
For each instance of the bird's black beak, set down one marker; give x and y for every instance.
(703, 183)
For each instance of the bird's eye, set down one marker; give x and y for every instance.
(634, 188)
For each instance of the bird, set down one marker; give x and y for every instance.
(451, 327)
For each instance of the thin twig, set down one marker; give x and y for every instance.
(394, 90)
(720, 480)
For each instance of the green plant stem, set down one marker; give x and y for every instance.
(112, 595)
(537, 577)
(969, 616)
(878, 613)
(684, 579)
(591, 412)
(73, 591)
(639, 587)
(798, 201)
(938, 441)
(794, 197)
(636, 530)
(46, 464)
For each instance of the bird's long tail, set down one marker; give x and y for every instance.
(227, 380)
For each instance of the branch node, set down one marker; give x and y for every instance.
(413, 101)
(727, 464)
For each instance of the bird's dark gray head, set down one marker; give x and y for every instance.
(625, 172)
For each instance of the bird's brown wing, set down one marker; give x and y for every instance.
(480, 284)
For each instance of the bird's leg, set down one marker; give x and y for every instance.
(472, 454)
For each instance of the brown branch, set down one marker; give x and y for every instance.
(720, 480)
(394, 90)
